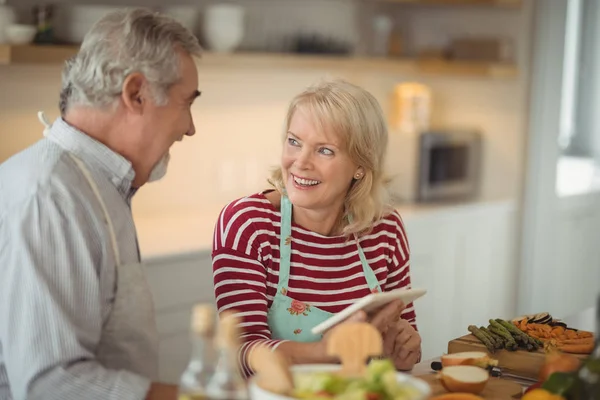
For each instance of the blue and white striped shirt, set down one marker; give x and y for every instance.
(57, 269)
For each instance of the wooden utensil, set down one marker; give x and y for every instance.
(272, 370)
(354, 343)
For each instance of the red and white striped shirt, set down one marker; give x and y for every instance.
(325, 272)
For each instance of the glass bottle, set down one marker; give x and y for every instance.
(195, 378)
(227, 382)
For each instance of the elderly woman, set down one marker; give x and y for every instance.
(289, 258)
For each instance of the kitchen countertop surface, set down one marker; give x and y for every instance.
(186, 232)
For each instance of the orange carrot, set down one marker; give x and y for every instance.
(571, 334)
(557, 331)
(577, 348)
(578, 341)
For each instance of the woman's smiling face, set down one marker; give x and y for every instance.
(315, 165)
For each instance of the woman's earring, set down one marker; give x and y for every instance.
(358, 175)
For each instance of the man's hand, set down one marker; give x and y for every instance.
(161, 391)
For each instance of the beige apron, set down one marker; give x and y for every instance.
(129, 337)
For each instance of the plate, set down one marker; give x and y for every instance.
(257, 393)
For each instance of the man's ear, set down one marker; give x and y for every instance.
(133, 93)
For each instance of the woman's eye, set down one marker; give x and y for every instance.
(325, 151)
(293, 142)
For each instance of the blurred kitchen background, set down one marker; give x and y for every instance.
(494, 138)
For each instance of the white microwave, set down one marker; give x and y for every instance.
(434, 165)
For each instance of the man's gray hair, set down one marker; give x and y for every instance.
(123, 42)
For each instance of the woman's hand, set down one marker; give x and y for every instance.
(401, 342)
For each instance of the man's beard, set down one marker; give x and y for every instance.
(160, 169)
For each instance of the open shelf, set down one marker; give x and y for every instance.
(44, 55)
(31, 54)
(487, 3)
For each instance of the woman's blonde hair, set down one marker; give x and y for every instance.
(356, 116)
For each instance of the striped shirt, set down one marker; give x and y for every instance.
(57, 269)
(325, 272)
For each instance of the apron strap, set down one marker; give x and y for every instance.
(86, 173)
(111, 230)
(285, 244)
(368, 271)
(285, 251)
(370, 276)
(47, 125)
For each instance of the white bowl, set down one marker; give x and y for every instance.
(20, 34)
(257, 393)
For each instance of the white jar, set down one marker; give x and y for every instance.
(223, 27)
(7, 17)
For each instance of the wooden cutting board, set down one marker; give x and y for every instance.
(496, 388)
(521, 362)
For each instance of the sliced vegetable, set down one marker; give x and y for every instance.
(558, 323)
(476, 358)
(541, 318)
(464, 379)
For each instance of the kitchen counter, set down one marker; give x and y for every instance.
(585, 320)
(186, 231)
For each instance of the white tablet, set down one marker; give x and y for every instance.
(369, 303)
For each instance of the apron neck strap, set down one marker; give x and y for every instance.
(285, 250)
(94, 187)
(47, 125)
(285, 243)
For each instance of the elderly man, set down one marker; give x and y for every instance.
(76, 313)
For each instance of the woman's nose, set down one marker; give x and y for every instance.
(304, 159)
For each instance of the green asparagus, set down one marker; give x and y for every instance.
(496, 336)
(510, 343)
(519, 333)
(482, 337)
(514, 331)
(494, 340)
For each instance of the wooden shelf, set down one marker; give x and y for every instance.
(361, 64)
(30, 54)
(44, 55)
(486, 3)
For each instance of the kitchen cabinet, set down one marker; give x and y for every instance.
(466, 259)
(463, 255)
(177, 283)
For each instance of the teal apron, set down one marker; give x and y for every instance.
(291, 319)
